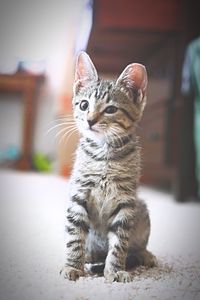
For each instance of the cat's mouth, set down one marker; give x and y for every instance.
(100, 128)
(93, 129)
(94, 132)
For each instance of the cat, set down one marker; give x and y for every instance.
(105, 221)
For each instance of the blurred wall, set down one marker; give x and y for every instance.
(38, 31)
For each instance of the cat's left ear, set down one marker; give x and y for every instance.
(85, 71)
(134, 76)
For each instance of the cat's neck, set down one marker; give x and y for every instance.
(114, 145)
(119, 142)
(114, 142)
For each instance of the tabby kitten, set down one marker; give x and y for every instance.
(106, 222)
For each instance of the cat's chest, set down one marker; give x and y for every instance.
(100, 201)
(103, 190)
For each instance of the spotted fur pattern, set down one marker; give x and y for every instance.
(105, 221)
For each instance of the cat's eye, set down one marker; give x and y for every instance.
(111, 109)
(84, 104)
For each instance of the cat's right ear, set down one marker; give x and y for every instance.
(85, 71)
(134, 76)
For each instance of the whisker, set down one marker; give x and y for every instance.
(116, 127)
(108, 137)
(65, 118)
(119, 139)
(103, 126)
(66, 133)
(138, 126)
(58, 125)
(113, 133)
(68, 137)
(64, 115)
(64, 130)
(64, 121)
(72, 155)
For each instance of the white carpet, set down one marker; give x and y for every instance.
(32, 246)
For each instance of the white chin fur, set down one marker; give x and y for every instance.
(94, 135)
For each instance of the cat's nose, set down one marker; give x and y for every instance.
(91, 122)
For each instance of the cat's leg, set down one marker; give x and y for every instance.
(130, 226)
(96, 252)
(77, 229)
(118, 239)
(142, 257)
(139, 236)
(115, 261)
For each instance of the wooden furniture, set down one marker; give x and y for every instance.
(26, 84)
(154, 33)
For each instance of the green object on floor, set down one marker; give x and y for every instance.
(42, 163)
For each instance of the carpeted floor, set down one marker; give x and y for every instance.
(32, 246)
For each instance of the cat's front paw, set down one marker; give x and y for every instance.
(71, 273)
(119, 276)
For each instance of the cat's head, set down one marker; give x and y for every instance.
(106, 109)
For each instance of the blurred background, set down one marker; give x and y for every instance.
(39, 41)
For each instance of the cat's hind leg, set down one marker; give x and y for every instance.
(141, 258)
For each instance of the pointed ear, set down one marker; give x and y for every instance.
(85, 71)
(134, 76)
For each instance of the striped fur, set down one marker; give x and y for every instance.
(105, 221)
